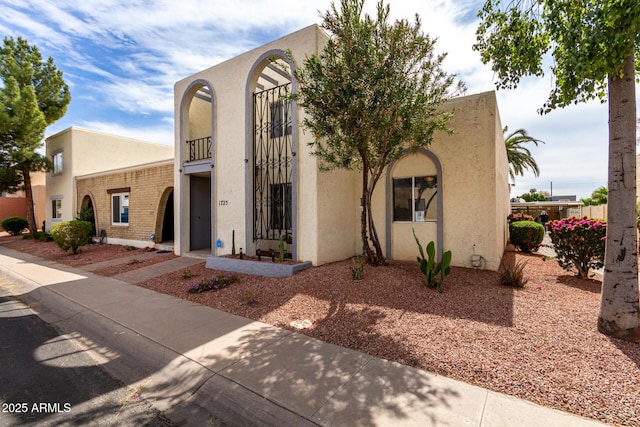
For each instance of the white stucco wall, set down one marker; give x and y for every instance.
(474, 185)
(474, 188)
(231, 108)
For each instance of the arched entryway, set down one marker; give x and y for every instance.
(271, 150)
(414, 202)
(87, 212)
(164, 231)
(196, 160)
(167, 222)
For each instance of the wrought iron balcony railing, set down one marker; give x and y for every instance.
(199, 149)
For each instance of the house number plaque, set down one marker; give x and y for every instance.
(223, 203)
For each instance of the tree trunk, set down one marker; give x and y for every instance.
(368, 253)
(619, 304)
(31, 217)
(377, 257)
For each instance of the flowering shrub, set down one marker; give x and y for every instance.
(526, 235)
(515, 217)
(579, 243)
(215, 284)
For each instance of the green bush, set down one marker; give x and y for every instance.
(86, 214)
(42, 236)
(579, 243)
(526, 235)
(14, 225)
(430, 268)
(71, 234)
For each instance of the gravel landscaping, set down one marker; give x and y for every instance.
(539, 342)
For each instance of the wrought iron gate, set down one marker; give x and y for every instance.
(272, 163)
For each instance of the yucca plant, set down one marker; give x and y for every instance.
(512, 275)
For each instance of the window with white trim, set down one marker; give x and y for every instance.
(414, 198)
(56, 208)
(120, 209)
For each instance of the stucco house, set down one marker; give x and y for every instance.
(243, 169)
(126, 181)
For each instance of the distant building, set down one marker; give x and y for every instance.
(562, 198)
(115, 176)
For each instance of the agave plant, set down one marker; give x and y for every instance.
(430, 268)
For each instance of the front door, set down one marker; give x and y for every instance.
(200, 207)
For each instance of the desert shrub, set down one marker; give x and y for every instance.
(42, 236)
(14, 225)
(215, 284)
(512, 275)
(579, 243)
(526, 235)
(187, 274)
(71, 234)
(515, 217)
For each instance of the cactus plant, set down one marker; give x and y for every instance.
(282, 240)
(430, 268)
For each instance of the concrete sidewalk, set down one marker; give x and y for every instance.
(201, 366)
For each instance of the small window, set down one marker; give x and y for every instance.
(414, 198)
(57, 163)
(56, 209)
(120, 209)
(280, 118)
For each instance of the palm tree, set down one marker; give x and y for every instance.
(519, 157)
(598, 197)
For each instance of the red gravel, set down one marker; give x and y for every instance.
(539, 343)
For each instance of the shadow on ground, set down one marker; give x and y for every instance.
(48, 380)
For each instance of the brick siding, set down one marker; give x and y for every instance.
(149, 189)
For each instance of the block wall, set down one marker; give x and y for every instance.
(148, 189)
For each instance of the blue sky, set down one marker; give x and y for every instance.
(121, 59)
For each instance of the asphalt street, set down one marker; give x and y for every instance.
(48, 379)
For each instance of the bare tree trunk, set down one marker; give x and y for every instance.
(619, 304)
(364, 202)
(31, 217)
(373, 233)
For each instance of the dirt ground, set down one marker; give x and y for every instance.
(539, 342)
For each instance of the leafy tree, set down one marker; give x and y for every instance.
(373, 93)
(593, 44)
(598, 197)
(518, 156)
(33, 95)
(534, 196)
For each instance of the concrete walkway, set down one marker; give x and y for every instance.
(201, 366)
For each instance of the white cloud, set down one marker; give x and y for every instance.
(157, 134)
(145, 47)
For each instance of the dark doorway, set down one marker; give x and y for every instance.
(167, 221)
(200, 204)
(87, 213)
